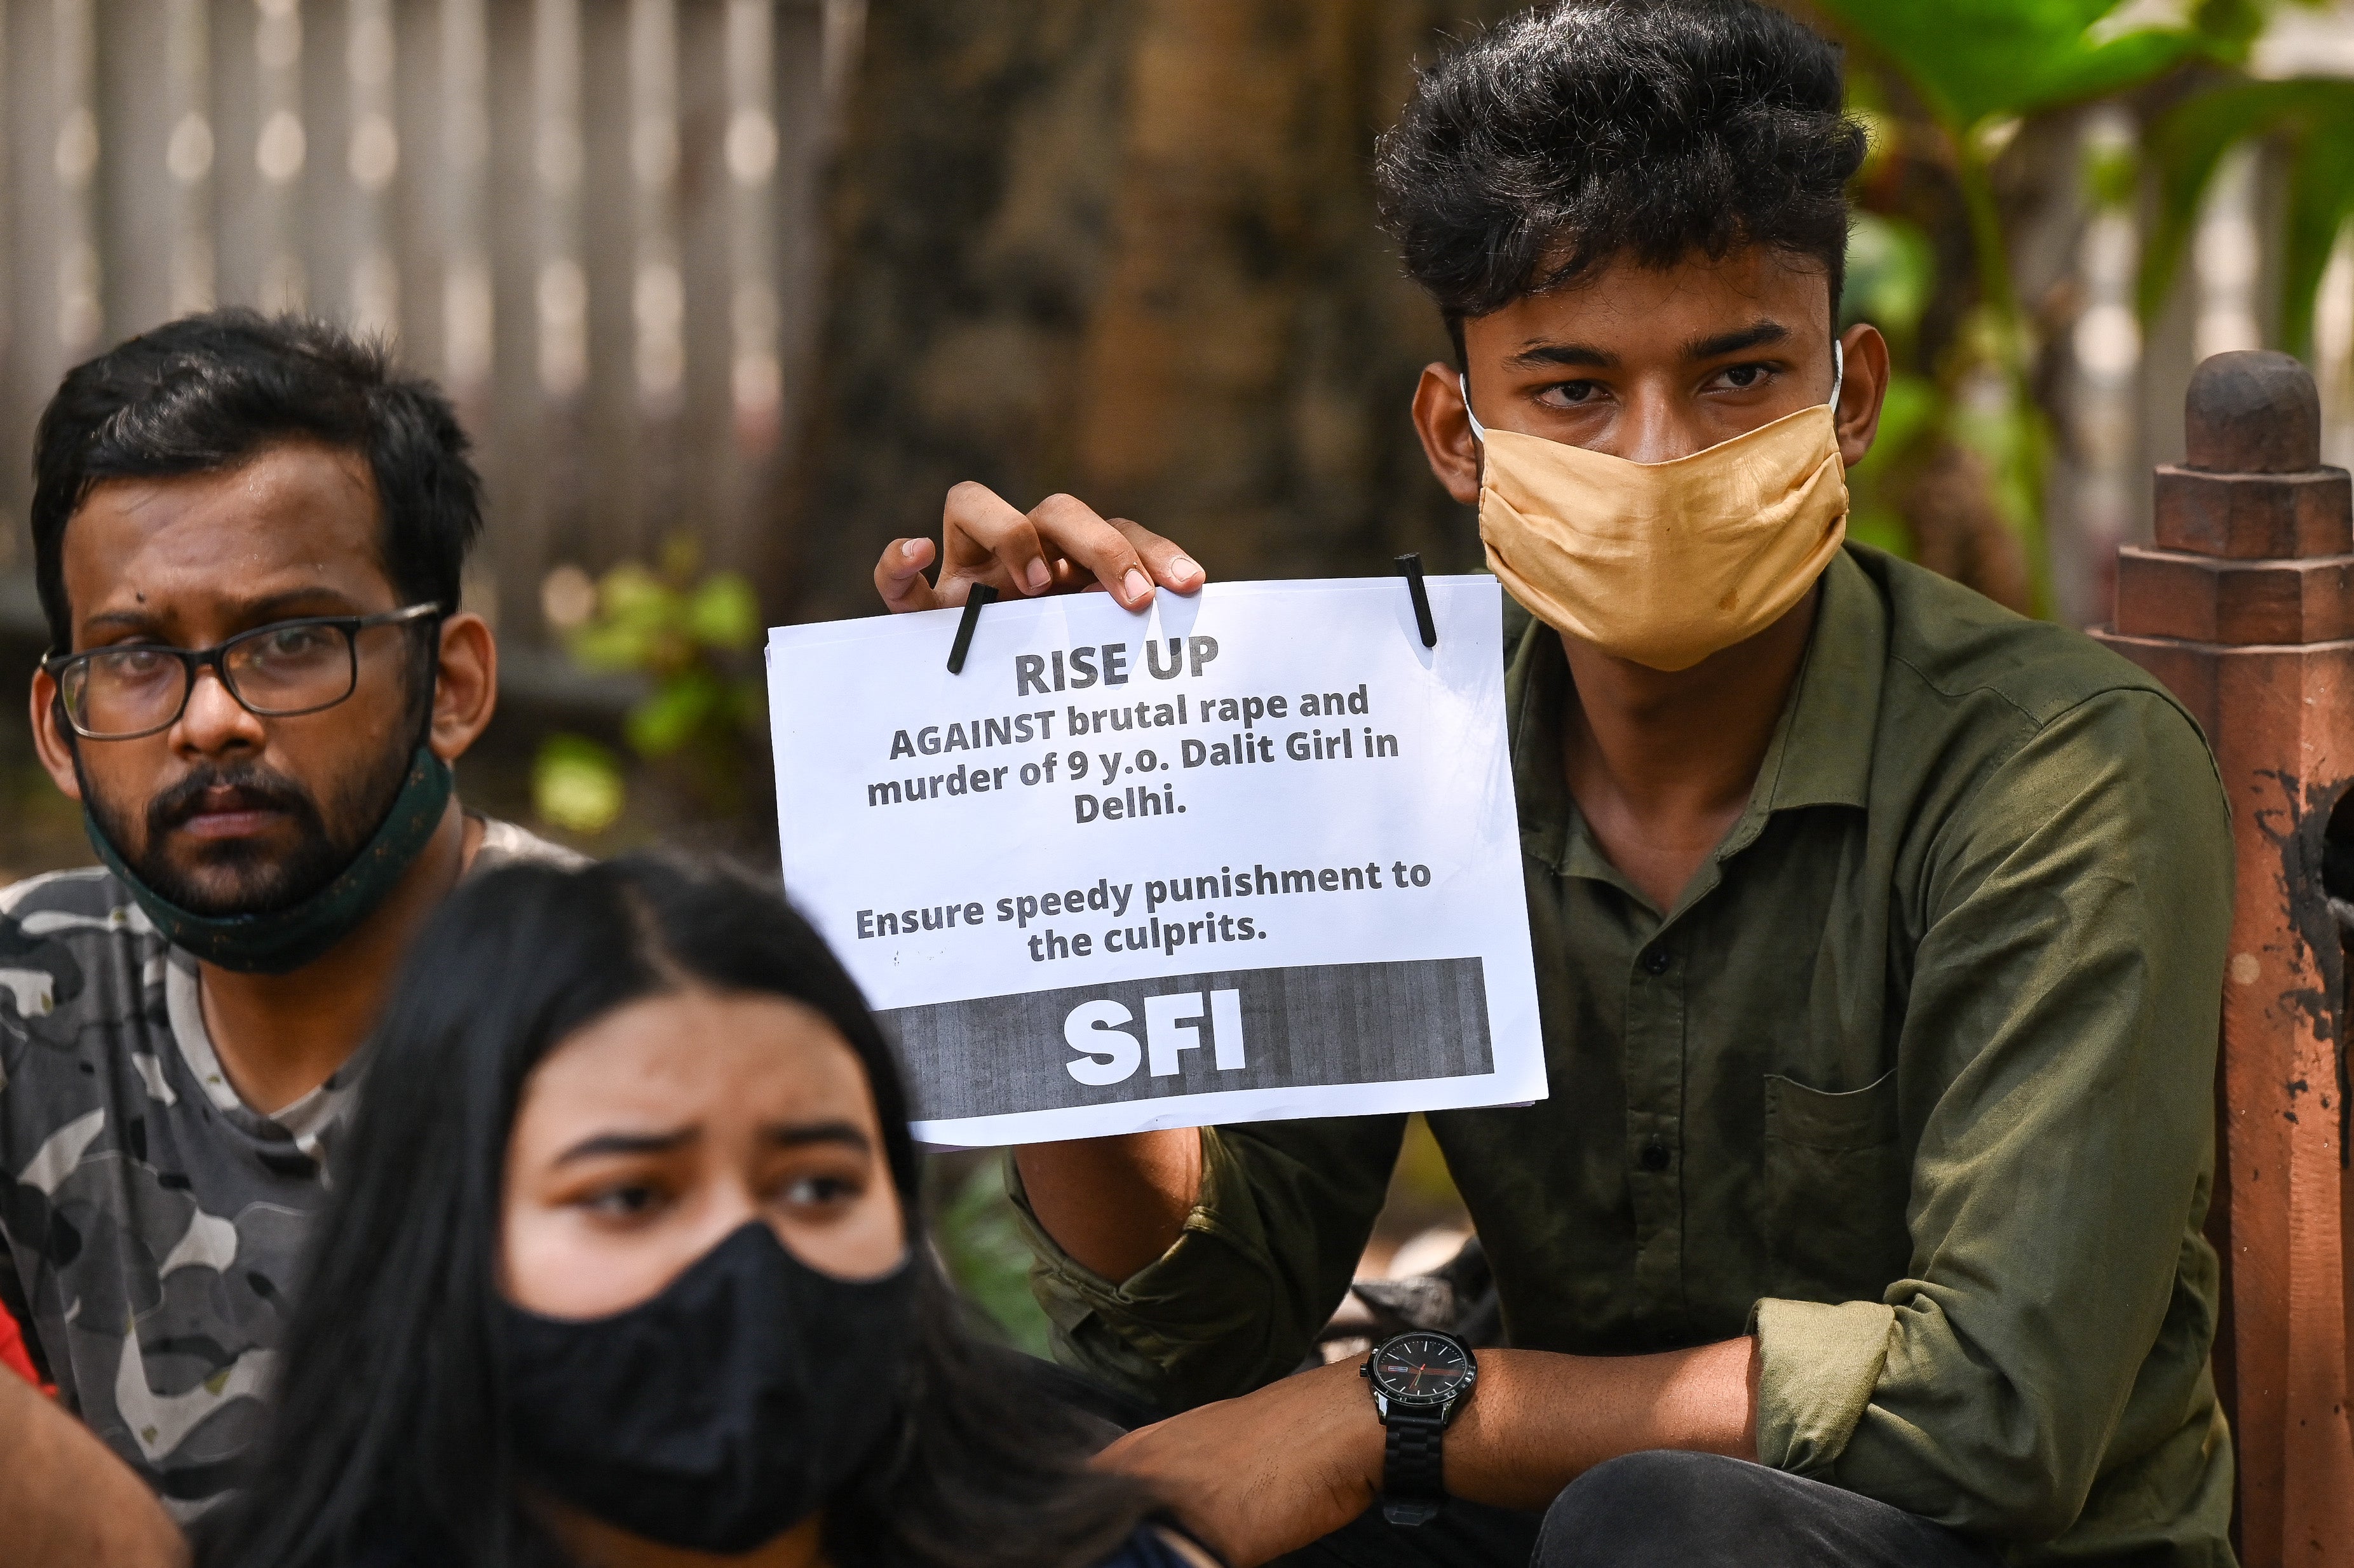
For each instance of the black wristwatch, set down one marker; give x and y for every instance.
(1420, 1380)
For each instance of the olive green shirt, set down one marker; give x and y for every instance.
(1914, 1082)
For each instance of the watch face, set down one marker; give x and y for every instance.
(1422, 1368)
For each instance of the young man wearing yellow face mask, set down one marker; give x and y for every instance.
(1879, 932)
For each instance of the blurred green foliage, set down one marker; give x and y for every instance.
(2314, 121)
(576, 784)
(1971, 74)
(1891, 276)
(1977, 61)
(669, 625)
(691, 636)
(980, 1242)
(2113, 175)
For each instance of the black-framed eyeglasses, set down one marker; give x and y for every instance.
(278, 670)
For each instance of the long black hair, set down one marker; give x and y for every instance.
(387, 1441)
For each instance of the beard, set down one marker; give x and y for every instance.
(234, 876)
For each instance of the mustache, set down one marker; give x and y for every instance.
(256, 788)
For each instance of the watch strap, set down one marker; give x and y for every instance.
(1414, 1475)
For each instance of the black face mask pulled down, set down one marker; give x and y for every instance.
(724, 1411)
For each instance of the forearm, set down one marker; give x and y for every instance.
(1113, 1204)
(1537, 1421)
(1203, 1269)
(66, 1498)
(1267, 1473)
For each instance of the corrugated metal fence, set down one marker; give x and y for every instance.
(592, 220)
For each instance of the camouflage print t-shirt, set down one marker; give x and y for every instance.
(153, 1220)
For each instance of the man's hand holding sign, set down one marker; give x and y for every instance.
(1060, 545)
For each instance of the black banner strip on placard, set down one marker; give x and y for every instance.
(1245, 1029)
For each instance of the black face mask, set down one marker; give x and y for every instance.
(722, 1411)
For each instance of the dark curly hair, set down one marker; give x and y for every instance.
(1577, 133)
(204, 393)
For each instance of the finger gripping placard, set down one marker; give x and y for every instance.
(981, 594)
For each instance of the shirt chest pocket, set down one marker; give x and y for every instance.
(1837, 1178)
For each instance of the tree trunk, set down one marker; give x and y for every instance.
(1128, 251)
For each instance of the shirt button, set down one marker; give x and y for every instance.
(1655, 961)
(1656, 1156)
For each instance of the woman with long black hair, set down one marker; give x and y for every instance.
(624, 1266)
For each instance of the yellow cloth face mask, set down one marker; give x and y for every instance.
(1666, 563)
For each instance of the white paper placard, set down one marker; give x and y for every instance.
(1249, 855)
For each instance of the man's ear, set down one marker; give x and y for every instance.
(1860, 395)
(51, 739)
(466, 685)
(1444, 424)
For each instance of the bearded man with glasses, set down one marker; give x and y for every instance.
(247, 537)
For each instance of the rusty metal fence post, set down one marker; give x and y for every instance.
(2244, 608)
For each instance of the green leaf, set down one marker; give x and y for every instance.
(630, 593)
(2009, 435)
(679, 707)
(2113, 175)
(576, 784)
(1909, 409)
(981, 1240)
(1882, 529)
(2185, 147)
(2231, 27)
(1912, 411)
(2320, 197)
(2317, 118)
(1971, 61)
(724, 612)
(1891, 274)
(638, 617)
(600, 645)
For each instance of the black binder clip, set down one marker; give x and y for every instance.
(1411, 565)
(980, 594)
